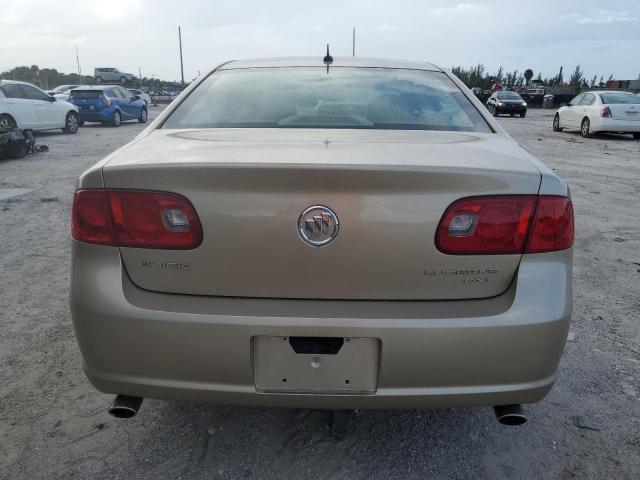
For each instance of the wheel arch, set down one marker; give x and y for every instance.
(15, 120)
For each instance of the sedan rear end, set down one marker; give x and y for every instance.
(290, 234)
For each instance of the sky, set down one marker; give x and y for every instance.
(603, 37)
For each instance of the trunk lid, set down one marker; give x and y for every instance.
(389, 190)
(625, 111)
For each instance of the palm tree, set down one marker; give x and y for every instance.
(528, 75)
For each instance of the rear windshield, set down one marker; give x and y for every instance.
(509, 96)
(85, 93)
(613, 98)
(345, 97)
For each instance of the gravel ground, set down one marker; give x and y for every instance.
(54, 425)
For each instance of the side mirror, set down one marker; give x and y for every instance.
(135, 97)
(564, 104)
(52, 98)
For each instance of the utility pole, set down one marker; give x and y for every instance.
(140, 75)
(78, 61)
(181, 65)
(354, 42)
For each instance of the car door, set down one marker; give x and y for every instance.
(570, 115)
(48, 113)
(21, 109)
(129, 106)
(585, 109)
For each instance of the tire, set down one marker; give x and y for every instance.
(98, 79)
(556, 123)
(116, 119)
(71, 123)
(123, 80)
(495, 111)
(7, 122)
(585, 128)
(144, 116)
(522, 115)
(636, 135)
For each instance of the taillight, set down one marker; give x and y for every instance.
(605, 112)
(506, 224)
(91, 218)
(131, 218)
(552, 227)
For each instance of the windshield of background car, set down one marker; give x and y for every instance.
(85, 93)
(346, 97)
(509, 96)
(614, 98)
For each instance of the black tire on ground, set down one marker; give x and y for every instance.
(123, 80)
(585, 128)
(144, 116)
(71, 123)
(522, 115)
(495, 111)
(98, 79)
(636, 135)
(556, 123)
(116, 119)
(7, 122)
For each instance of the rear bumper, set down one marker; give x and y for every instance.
(600, 124)
(95, 116)
(481, 352)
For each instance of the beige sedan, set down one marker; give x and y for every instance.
(356, 233)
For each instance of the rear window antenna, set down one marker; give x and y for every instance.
(328, 59)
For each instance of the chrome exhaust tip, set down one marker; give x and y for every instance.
(124, 406)
(511, 415)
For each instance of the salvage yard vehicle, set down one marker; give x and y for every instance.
(61, 92)
(358, 233)
(145, 97)
(108, 104)
(601, 111)
(506, 102)
(27, 107)
(113, 75)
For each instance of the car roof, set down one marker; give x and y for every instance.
(337, 62)
(17, 82)
(609, 91)
(95, 87)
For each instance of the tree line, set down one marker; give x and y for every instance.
(479, 77)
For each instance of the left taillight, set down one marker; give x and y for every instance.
(139, 219)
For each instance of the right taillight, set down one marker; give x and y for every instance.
(133, 218)
(552, 227)
(506, 224)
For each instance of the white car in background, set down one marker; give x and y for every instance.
(61, 92)
(143, 95)
(25, 106)
(601, 111)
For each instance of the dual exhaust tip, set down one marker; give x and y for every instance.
(125, 406)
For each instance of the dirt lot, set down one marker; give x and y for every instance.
(54, 425)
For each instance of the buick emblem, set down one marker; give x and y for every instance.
(318, 225)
